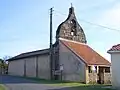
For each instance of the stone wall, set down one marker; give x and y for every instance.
(93, 78)
(107, 78)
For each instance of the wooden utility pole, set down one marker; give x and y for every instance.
(51, 48)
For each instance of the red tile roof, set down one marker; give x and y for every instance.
(115, 48)
(87, 54)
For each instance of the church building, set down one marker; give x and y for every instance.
(72, 58)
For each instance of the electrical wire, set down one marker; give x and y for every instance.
(102, 26)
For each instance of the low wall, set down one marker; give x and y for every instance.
(93, 78)
(107, 78)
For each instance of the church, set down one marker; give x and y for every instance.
(72, 59)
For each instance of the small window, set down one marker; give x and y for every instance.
(73, 22)
(72, 33)
(89, 69)
(107, 70)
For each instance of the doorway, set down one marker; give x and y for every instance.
(101, 75)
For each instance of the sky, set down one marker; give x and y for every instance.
(24, 24)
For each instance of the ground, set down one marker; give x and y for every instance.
(21, 83)
(2, 87)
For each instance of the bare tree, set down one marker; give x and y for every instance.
(6, 57)
(4, 66)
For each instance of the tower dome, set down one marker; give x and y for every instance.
(70, 29)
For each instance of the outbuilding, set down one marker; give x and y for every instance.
(115, 62)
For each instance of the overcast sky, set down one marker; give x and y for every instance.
(24, 24)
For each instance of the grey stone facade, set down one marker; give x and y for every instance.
(70, 29)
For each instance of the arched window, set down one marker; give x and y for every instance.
(73, 27)
(73, 22)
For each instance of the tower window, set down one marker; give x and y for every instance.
(73, 22)
(72, 33)
(73, 27)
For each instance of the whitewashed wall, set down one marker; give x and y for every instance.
(115, 60)
(31, 67)
(36, 66)
(44, 66)
(16, 67)
(74, 68)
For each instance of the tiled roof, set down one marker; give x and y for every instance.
(87, 54)
(115, 48)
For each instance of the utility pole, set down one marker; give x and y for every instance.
(51, 48)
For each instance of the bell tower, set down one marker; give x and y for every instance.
(70, 28)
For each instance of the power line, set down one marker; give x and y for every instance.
(99, 25)
(90, 22)
(60, 13)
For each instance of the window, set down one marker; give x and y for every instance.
(71, 22)
(107, 70)
(72, 33)
(89, 69)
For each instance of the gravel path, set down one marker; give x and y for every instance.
(18, 83)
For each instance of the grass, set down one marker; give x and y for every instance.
(68, 85)
(2, 87)
(86, 88)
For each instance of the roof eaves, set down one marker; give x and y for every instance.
(17, 58)
(111, 51)
(100, 65)
(23, 55)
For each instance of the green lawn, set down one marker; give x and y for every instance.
(73, 85)
(86, 88)
(2, 87)
(67, 85)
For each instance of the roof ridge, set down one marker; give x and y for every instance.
(114, 48)
(33, 51)
(72, 41)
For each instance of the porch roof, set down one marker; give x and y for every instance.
(86, 53)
